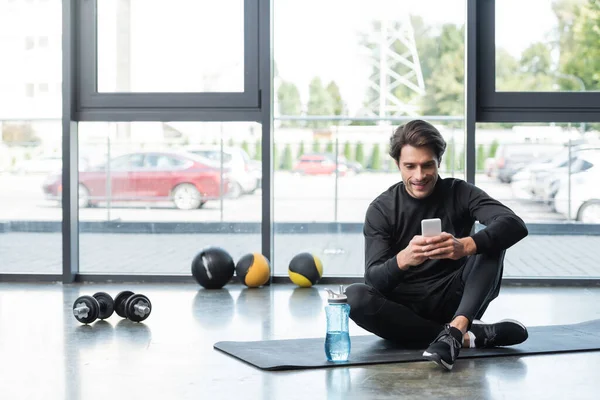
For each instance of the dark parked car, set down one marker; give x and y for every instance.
(187, 180)
(510, 158)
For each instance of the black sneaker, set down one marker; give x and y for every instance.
(507, 332)
(445, 348)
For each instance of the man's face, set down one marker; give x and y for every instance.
(419, 169)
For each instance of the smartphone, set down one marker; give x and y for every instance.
(431, 227)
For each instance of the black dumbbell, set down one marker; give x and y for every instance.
(135, 307)
(87, 309)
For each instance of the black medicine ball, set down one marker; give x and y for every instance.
(213, 267)
(305, 269)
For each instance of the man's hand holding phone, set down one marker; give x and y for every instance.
(434, 244)
(413, 254)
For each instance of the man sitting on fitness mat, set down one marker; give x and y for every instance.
(433, 290)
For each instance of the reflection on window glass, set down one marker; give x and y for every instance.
(155, 194)
(551, 56)
(170, 46)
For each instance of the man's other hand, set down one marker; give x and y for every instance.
(447, 246)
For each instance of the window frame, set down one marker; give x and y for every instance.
(501, 106)
(92, 105)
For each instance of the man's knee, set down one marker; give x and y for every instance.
(492, 263)
(363, 299)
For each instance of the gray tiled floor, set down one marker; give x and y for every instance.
(46, 354)
(342, 255)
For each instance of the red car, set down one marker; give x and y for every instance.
(183, 178)
(320, 164)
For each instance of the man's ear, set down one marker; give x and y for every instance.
(397, 166)
(439, 162)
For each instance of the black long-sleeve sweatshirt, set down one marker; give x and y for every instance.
(394, 218)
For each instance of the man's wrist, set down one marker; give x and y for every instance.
(469, 245)
(400, 261)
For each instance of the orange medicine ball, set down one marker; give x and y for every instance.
(253, 270)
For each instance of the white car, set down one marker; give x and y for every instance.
(549, 183)
(242, 177)
(584, 198)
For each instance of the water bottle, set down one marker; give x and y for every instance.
(337, 341)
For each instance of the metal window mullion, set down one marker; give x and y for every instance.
(70, 216)
(470, 88)
(252, 24)
(265, 54)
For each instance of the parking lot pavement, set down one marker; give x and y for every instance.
(342, 254)
(297, 199)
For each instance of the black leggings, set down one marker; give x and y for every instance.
(467, 293)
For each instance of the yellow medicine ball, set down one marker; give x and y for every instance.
(305, 269)
(253, 270)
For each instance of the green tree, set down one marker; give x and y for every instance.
(329, 147)
(336, 98)
(376, 158)
(445, 80)
(392, 167)
(245, 147)
(289, 101)
(577, 35)
(449, 158)
(288, 161)
(347, 151)
(319, 103)
(507, 71)
(360, 153)
(258, 150)
(493, 149)
(301, 150)
(316, 146)
(582, 59)
(460, 161)
(480, 158)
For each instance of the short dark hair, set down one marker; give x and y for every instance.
(417, 133)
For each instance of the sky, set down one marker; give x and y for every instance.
(177, 42)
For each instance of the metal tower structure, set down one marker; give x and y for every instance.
(395, 60)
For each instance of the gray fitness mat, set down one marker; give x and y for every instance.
(290, 354)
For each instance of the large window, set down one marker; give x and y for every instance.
(560, 54)
(152, 194)
(547, 174)
(30, 132)
(338, 98)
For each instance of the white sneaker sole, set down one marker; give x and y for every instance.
(437, 360)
